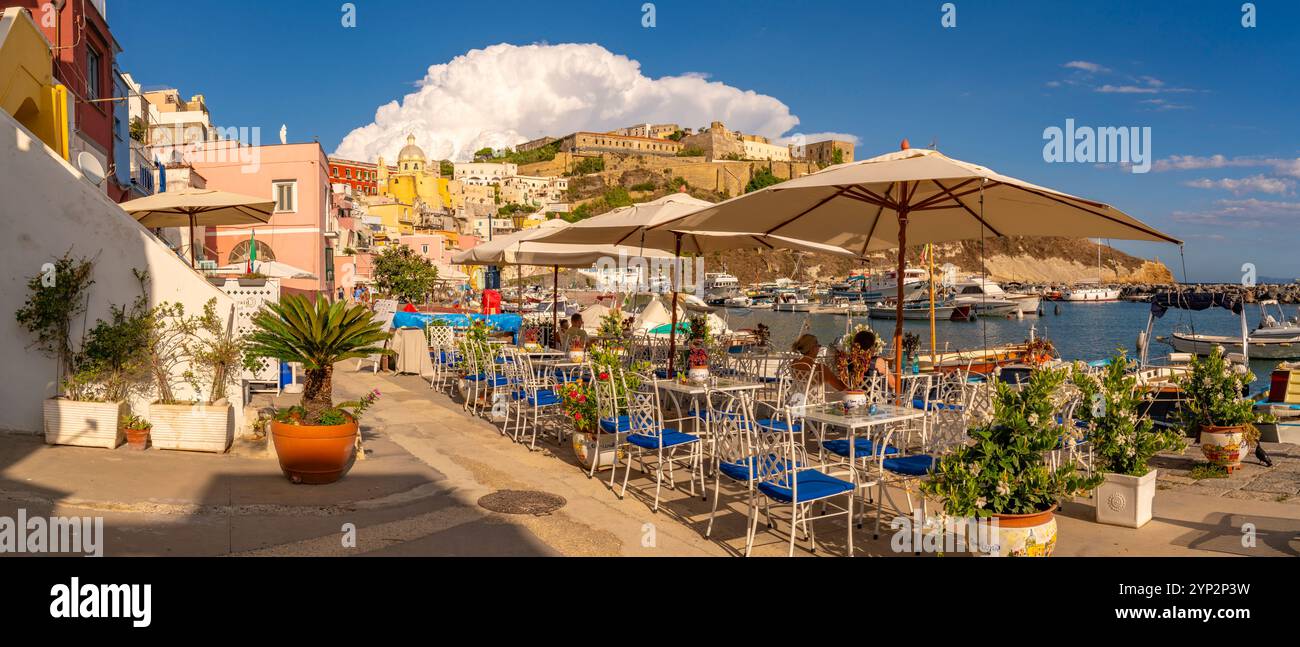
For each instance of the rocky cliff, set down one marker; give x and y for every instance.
(1029, 260)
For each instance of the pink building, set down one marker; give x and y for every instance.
(301, 232)
(433, 247)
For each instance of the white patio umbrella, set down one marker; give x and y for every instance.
(189, 207)
(523, 248)
(272, 269)
(652, 225)
(913, 197)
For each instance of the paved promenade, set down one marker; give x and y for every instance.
(428, 464)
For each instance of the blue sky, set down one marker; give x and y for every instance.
(880, 71)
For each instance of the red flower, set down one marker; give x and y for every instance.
(577, 416)
(582, 398)
(604, 375)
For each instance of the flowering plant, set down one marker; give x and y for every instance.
(1039, 350)
(1213, 396)
(852, 366)
(1123, 440)
(1005, 470)
(698, 357)
(845, 342)
(579, 403)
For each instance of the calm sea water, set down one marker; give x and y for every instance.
(1082, 331)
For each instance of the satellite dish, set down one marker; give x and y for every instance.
(91, 168)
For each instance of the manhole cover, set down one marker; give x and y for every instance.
(522, 502)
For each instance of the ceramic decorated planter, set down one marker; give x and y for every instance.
(192, 427)
(1126, 501)
(698, 374)
(601, 447)
(1025, 535)
(1223, 445)
(854, 400)
(577, 356)
(314, 454)
(81, 423)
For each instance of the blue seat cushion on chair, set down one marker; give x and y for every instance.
(768, 424)
(670, 437)
(914, 465)
(862, 447)
(661, 373)
(543, 398)
(610, 425)
(812, 484)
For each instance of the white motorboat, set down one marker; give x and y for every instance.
(791, 299)
(878, 287)
(990, 299)
(1276, 337)
(1090, 294)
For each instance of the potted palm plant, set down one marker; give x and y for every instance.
(1004, 474)
(1214, 406)
(1123, 441)
(316, 440)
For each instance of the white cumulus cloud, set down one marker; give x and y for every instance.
(505, 94)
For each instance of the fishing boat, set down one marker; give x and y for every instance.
(792, 299)
(983, 361)
(1090, 294)
(1276, 337)
(719, 286)
(878, 287)
(919, 311)
(989, 299)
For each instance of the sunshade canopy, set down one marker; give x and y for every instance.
(272, 269)
(1163, 301)
(524, 248)
(189, 207)
(856, 206)
(647, 225)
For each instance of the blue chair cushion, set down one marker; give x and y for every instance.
(543, 398)
(768, 424)
(610, 425)
(812, 485)
(862, 448)
(914, 465)
(670, 438)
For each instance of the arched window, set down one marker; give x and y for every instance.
(240, 253)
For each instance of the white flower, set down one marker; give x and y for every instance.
(1003, 488)
(976, 469)
(981, 502)
(1033, 419)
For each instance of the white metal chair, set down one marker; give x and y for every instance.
(647, 436)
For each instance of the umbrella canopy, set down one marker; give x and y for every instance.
(913, 197)
(448, 273)
(524, 248)
(189, 207)
(649, 225)
(272, 269)
(856, 206)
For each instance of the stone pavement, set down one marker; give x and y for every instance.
(428, 464)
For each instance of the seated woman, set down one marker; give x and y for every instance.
(823, 377)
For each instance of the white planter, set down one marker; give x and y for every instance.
(192, 427)
(1126, 500)
(86, 424)
(698, 374)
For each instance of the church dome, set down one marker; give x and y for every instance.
(411, 152)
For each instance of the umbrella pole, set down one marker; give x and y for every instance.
(194, 251)
(555, 302)
(930, 252)
(898, 307)
(672, 332)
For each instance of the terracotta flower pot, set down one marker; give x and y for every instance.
(137, 438)
(314, 454)
(1025, 535)
(1223, 445)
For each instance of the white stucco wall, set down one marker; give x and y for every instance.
(46, 209)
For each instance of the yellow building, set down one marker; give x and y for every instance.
(397, 219)
(416, 181)
(28, 90)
